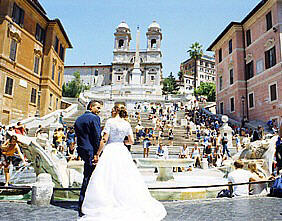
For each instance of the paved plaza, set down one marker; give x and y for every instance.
(251, 208)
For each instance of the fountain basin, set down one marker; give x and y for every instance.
(197, 177)
(165, 166)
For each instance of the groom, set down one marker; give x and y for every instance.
(88, 131)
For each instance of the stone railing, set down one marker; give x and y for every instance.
(46, 120)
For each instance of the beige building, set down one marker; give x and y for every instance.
(205, 72)
(32, 52)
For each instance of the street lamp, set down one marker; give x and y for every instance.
(243, 107)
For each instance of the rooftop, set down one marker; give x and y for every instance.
(258, 6)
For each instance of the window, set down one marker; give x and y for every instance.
(273, 92)
(259, 66)
(268, 21)
(230, 46)
(201, 62)
(220, 55)
(250, 70)
(270, 58)
(118, 77)
(220, 83)
(152, 78)
(248, 37)
(36, 64)
(9, 86)
(33, 96)
(56, 44)
(120, 43)
(40, 33)
(57, 102)
(232, 105)
(231, 76)
(207, 64)
(18, 15)
(53, 71)
(13, 49)
(59, 77)
(51, 100)
(221, 108)
(96, 72)
(153, 43)
(251, 100)
(62, 52)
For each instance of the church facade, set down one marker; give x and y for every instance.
(119, 73)
(150, 58)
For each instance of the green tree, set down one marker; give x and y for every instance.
(195, 51)
(75, 87)
(169, 85)
(207, 89)
(180, 75)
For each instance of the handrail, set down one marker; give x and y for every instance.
(150, 188)
(184, 187)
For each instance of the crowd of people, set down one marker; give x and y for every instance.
(200, 129)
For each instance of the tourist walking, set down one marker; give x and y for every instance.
(88, 132)
(116, 190)
(7, 155)
(224, 142)
(147, 138)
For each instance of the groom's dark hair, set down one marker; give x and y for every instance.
(92, 102)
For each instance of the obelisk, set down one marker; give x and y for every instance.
(136, 73)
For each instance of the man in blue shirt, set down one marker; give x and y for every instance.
(88, 132)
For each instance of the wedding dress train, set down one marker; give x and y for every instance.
(116, 190)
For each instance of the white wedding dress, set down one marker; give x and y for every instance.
(116, 190)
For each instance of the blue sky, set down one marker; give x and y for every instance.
(90, 25)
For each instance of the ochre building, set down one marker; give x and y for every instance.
(32, 52)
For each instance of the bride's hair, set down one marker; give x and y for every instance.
(120, 109)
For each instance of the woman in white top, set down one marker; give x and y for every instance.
(116, 190)
(196, 155)
(260, 188)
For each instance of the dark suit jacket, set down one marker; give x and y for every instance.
(88, 132)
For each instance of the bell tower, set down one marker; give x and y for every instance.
(154, 37)
(122, 37)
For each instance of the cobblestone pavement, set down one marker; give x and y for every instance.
(253, 208)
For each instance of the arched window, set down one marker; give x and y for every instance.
(153, 43)
(121, 43)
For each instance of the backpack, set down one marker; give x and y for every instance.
(224, 140)
(224, 193)
(276, 189)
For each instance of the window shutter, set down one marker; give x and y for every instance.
(37, 34)
(21, 17)
(14, 13)
(266, 59)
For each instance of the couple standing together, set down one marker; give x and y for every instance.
(112, 188)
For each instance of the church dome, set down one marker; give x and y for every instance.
(154, 25)
(123, 25)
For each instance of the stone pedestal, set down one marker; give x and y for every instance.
(42, 190)
(205, 163)
(136, 76)
(226, 129)
(165, 174)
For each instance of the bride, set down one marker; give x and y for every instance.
(116, 190)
